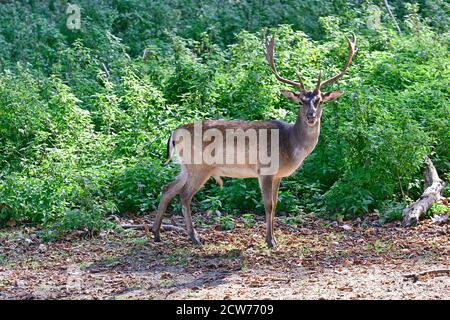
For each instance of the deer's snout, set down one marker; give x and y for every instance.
(311, 115)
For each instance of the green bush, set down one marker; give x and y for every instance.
(85, 114)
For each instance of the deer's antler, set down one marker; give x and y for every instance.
(269, 52)
(351, 53)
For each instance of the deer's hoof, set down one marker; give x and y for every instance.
(271, 243)
(156, 236)
(196, 240)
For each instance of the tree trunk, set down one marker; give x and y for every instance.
(433, 188)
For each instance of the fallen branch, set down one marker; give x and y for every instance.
(392, 17)
(440, 219)
(433, 188)
(164, 227)
(415, 276)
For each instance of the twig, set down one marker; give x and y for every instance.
(144, 54)
(415, 276)
(164, 227)
(105, 69)
(392, 16)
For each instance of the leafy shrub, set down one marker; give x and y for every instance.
(248, 219)
(437, 209)
(85, 114)
(226, 222)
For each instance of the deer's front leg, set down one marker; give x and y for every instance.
(269, 189)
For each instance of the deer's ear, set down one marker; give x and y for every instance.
(330, 96)
(293, 96)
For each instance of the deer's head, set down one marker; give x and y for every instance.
(310, 102)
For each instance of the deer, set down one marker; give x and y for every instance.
(294, 143)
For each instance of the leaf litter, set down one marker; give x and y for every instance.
(318, 259)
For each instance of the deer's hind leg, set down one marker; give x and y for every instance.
(196, 179)
(169, 191)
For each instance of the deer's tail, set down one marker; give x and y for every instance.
(170, 149)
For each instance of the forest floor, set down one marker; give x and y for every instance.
(318, 259)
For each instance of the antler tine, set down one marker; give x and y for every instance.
(319, 84)
(269, 52)
(352, 51)
(299, 76)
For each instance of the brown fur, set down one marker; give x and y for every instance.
(296, 142)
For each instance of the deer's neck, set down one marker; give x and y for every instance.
(303, 136)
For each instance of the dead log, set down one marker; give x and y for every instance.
(433, 188)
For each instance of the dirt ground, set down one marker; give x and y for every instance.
(318, 259)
